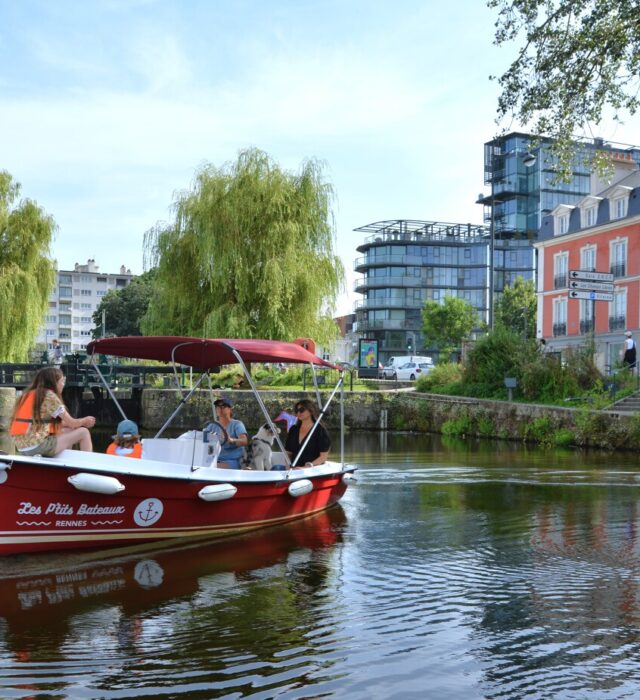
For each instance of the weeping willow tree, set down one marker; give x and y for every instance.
(27, 273)
(250, 254)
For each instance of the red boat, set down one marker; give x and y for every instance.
(91, 500)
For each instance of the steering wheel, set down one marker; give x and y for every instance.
(217, 429)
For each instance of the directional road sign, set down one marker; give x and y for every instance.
(592, 296)
(593, 286)
(588, 275)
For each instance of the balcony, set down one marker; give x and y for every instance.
(617, 323)
(560, 281)
(387, 281)
(388, 303)
(586, 325)
(389, 324)
(618, 269)
(559, 329)
(366, 262)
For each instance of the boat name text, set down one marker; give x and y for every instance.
(27, 508)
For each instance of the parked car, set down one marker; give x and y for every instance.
(389, 371)
(412, 370)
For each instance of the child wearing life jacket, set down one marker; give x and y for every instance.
(41, 424)
(126, 441)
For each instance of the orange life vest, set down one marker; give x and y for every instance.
(24, 417)
(136, 454)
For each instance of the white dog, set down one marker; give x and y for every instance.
(258, 454)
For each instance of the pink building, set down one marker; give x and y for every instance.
(601, 233)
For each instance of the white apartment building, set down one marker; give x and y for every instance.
(73, 302)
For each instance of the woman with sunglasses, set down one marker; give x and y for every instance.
(317, 449)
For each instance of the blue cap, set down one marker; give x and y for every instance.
(127, 428)
(223, 402)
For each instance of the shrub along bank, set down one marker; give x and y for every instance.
(535, 423)
(541, 377)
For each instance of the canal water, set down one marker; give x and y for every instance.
(453, 569)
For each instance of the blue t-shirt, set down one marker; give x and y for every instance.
(234, 452)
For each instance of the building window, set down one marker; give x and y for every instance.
(586, 316)
(64, 291)
(101, 293)
(588, 258)
(563, 223)
(85, 292)
(86, 306)
(51, 318)
(618, 311)
(560, 316)
(64, 279)
(560, 270)
(101, 279)
(590, 216)
(620, 207)
(619, 258)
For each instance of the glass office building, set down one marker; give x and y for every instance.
(521, 196)
(408, 262)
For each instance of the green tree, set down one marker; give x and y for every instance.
(27, 273)
(577, 60)
(517, 306)
(448, 323)
(250, 254)
(124, 308)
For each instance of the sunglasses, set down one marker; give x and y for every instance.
(300, 409)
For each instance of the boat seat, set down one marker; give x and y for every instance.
(194, 453)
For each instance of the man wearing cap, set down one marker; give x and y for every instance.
(629, 359)
(233, 449)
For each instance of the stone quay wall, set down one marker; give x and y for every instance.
(412, 411)
(387, 410)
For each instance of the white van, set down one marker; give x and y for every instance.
(389, 371)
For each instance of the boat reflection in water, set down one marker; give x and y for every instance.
(37, 606)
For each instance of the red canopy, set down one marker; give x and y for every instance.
(203, 353)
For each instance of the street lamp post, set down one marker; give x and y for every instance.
(528, 160)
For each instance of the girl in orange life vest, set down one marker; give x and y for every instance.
(41, 424)
(126, 441)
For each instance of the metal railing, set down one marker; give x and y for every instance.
(560, 281)
(559, 329)
(586, 325)
(618, 269)
(84, 375)
(617, 323)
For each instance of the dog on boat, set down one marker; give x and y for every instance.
(258, 454)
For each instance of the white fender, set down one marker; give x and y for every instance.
(300, 487)
(96, 483)
(349, 478)
(217, 492)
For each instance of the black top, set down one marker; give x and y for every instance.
(319, 442)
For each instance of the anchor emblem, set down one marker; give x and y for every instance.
(148, 512)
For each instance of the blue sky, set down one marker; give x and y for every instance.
(108, 108)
